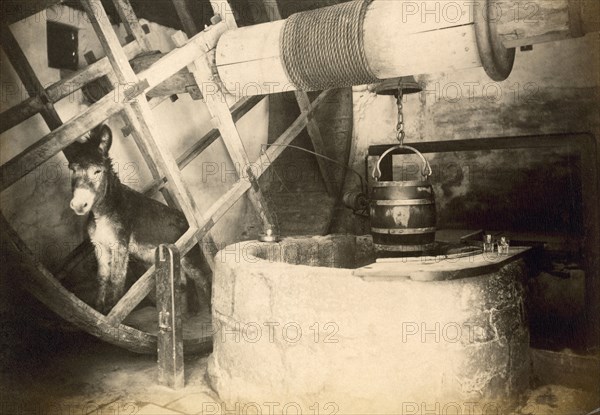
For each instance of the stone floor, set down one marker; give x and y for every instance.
(78, 375)
(91, 377)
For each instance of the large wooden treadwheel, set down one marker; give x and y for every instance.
(22, 264)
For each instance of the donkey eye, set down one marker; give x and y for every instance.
(97, 172)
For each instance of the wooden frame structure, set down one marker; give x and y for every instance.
(197, 52)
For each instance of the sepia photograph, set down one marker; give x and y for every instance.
(300, 207)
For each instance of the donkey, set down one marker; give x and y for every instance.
(123, 222)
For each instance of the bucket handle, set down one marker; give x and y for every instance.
(427, 171)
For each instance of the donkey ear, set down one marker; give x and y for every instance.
(105, 140)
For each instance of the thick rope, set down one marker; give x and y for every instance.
(324, 48)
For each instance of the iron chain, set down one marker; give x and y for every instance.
(400, 127)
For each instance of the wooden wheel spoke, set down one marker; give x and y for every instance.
(56, 141)
(61, 89)
(164, 168)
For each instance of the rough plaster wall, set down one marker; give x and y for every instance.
(553, 88)
(38, 205)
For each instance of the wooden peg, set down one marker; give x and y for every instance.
(179, 38)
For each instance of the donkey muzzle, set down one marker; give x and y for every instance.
(82, 201)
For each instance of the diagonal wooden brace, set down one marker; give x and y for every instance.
(222, 119)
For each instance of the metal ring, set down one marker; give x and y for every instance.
(495, 58)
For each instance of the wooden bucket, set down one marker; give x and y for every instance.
(403, 216)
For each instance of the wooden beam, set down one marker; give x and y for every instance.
(218, 108)
(57, 140)
(177, 59)
(131, 23)
(14, 10)
(187, 21)
(59, 90)
(223, 9)
(77, 80)
(528, 22)
(241, 108)
(179, 83)
(226, 202)
(27, 75)
(486, 143)
(20, 112)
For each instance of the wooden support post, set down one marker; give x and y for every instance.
(169, 286)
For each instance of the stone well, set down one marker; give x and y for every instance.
(296, 327)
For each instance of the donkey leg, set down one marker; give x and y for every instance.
(118, 274)
(104, 265)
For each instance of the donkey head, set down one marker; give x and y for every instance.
(90, 168)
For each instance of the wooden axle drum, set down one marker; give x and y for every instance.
(352, 43)
(363, 41)
(403, 215)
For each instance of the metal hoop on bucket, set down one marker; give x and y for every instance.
(427, 171)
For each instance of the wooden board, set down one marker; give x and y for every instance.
(436, 269)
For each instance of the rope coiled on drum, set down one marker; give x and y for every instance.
(324, 48)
